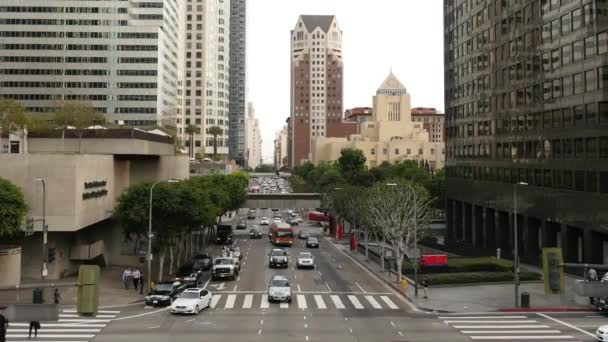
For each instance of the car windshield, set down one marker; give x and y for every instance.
(284, 234)
(305, 255)
(280, 283)
(189, 295)
(223, 261)
(278, 252)
(163, 288)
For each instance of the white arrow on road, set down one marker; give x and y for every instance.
(219, 287)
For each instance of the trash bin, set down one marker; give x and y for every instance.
(38, 296)
(525, 300)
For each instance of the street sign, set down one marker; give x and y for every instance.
(591, 288)
(31, 312)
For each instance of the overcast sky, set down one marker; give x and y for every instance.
(406, 35)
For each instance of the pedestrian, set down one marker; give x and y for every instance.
(425, 287)
(141, 284)
(126, 277)
(56, 296)
(34, 325)
(136, 278)
(3, 328)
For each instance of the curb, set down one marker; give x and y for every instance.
(550, 309)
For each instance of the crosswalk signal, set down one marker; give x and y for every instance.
(553, 271)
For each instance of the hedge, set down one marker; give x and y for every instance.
(459, 265)
(476, 277)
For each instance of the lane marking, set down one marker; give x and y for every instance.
(230, 302)
(84, 320)
(305, 325)
(55, 325)
(329, 288)
(99, 311)
(480, 317)
(49, 336)
(499, 321)
(373, 302)
(400, 333)
(389, 302)
(521, 326)
(215, 299)
(206, 283)
(299, 289)
(526, 337)
(13, 330)
(510, 331)
(248, 302)
(351, 330)
(264, 303)
(320, 302)
(393, 324)
(154, 327)
(260, 331)
(302, 302)
(261, 322)
(190, 320)
(355, 301)
(284, 305)
(234, 290)
(566, 324)
(360, 288)
(237, 279)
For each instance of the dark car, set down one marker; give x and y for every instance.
(312, 242)
(204, 261)
(241, 226)
(164, 293)
(189, 274)
(255, 233)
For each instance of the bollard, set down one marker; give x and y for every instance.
(525, 300)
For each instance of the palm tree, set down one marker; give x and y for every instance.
(215, 131)
(191, 130)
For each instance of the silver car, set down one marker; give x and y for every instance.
(279, 289)
(305, 260)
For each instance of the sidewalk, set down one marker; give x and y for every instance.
(474, 297)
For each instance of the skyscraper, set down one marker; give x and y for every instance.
(204, 78)
(238, 79)
(118, 56)
(316, 82)
(527, 123)
(254, 139)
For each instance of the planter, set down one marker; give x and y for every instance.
(10, 265)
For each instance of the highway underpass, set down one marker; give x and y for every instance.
(283, 201)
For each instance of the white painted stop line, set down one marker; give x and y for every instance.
(264, 302)
(482, 317)
(503, 326)
(42, 330)
(302, 302)
(389, 302)
(230, 301)
(372, 301)
(60, 325)
(510, 331)
(337, 302)
(320, 302)
(355, 302)
(284, 305)
(49, 336)
(214, 300)
(526, 337)
(84, 320)
(498, 321)
(248, 301)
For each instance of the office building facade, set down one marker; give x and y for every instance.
(432, 121)
(118, 56)
(253, 138)
(527, 123)
(238, 80)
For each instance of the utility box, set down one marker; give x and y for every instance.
(525, 300)
(88, 289)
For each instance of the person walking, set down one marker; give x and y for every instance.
(3, 328)
(141, 283)
(425, 287)
(34, 325)
(56, 296)
(126, 277)
(136, 278)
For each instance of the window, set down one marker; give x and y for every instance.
(602, 43)
(603, 147)
(591, 111)
(579, 148)
(577, 51)
(567, 85)
(579, 83)
(566, 54)
(590, 80)
(590, 47)
(591, 146)
(372, 151)
(603, 113)
(396, 151)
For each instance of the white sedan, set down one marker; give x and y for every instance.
(191, 301)
(305, 260)
(264, 221)
(602, 333)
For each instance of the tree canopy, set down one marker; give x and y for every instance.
(12, 209)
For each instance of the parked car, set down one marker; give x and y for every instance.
(204, 261)
(164, 293)
(305, 260)
(279, 289)
(312, 242)
(191, 301)
(189, 274)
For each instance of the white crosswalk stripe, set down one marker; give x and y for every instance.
(215, 299)
(302, 302)
(389, 302)
(320, 302)
(70, 327)
(504, 327)
(373, 302)
(230, 301)
(355, 302)
(284, 305)
(337, 302)
(248, 301)
(264, 303)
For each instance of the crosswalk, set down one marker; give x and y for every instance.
(70, 327)
(505, 327)
(322, 301)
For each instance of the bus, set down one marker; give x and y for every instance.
(281, 234)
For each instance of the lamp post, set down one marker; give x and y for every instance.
(515, 244)
(44, 229)
(415, 235)
(149, 255)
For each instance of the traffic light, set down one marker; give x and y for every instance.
(553, 271)
(51, 256)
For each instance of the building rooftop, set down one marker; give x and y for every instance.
(314, 21)
(391, 86)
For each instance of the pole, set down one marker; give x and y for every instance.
(415, 242)
(149, 255)
(516, 251)
(44, 232)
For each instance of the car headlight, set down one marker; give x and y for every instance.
(148, 297)
(165, 298)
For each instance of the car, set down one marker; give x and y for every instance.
(242, 225)
(602, 333)
(278, 258)
(302, 234)
(276, 220)
(264, 221)
(277, 214)
(189, 274)
(299, 219)
(275, 209)
(312, 242)
(305, 260)
(204, 261)
(279, 289)
(255, 233)
(225, 267)
(164, 293)
(191, 301)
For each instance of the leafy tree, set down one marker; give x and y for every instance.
(12, 209)
(304, 169)
(351, 162)
(215, 131)
(12, 114)
(191, 130)
(436, 189)
(77, 114)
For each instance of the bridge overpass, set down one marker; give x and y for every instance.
(269, 174)
(283, 201)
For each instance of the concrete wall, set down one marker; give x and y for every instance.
(100, 146)
(10, 264)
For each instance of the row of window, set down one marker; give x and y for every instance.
(40, 9)
(139, 110)
(77, 34)
(78, 97)
(71, 47)
(71, 22)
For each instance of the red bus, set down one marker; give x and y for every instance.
(315, 216)
(281, 234)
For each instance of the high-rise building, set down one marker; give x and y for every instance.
(527, 126)
(118, 56)
(254, 139)
(432, 121)
(204, 78)
(359, 114)
(316, 82)
(280, 149)
(238, 80)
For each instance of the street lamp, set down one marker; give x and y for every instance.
(44, 229)
(415, 235)
(515, 244)
(149, 256)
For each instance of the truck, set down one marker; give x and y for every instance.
(225, 267)
(223, 234)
